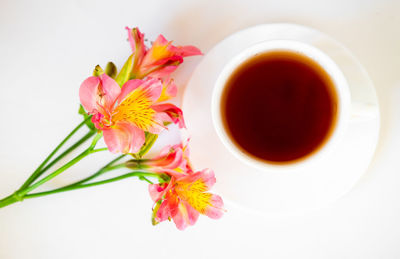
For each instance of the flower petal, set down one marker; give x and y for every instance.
(163, 212)
(128, 87)
(181, 219)
(169, 207)
(160, 49)
(136, 39)
(124, 137)
(169, 90)
(193, 214)
(186, 216)
(174, 113)
(157, 191)
(163, 153)
(153, 88)
(136, 106)
(110, 91)
(186, 51)
(215, 211)
(88, 93)
(208, 177)
(171, 160)
(163, 72)
(205, 177)
(158, 126)
(150, 88)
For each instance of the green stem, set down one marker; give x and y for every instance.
(139, 160)
(99, 150)
(95, 140)
(23, 193)
(106, 168)
(145, 179)
(13, 198)
(38, 171)
(74, 187)
(66, 152)
(78, 158)
(110, 168)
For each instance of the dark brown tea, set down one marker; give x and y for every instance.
(279, 106)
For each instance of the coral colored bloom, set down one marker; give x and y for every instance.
(124, 114)
(161, 59)
(183, 199)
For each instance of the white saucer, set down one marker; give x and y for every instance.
(258, 191)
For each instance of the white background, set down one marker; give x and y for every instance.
(47, 48)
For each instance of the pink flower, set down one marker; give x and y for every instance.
(124, 114)
(184, 198)
(160, 60)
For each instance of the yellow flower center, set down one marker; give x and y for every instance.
(160, 52)
(135, 108)
(194, 194)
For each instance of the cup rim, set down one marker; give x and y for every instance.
(340, 85)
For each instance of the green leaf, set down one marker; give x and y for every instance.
(88, 123)
(111, 70)
(98, 71)
(125, 72)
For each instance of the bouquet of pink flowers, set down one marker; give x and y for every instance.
(129, 110)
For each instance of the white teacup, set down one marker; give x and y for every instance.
(340, 86)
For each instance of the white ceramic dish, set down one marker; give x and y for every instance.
(340, 85)
(273, 191)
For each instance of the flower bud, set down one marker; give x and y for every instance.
(98, 71)
(111, 70)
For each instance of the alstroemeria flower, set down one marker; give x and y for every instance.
(160, 60)
(184, 198)
(172, 160)
(124, 114)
